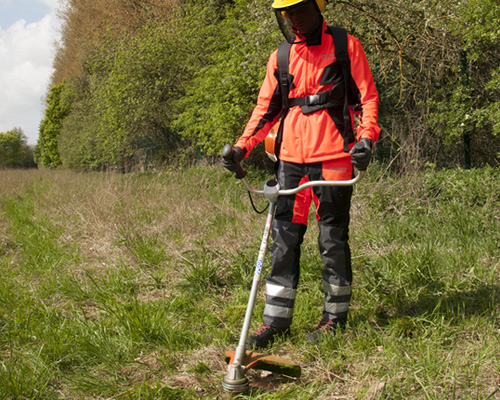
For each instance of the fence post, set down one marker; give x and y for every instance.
(465, 78)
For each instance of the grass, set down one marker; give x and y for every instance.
(133, 286)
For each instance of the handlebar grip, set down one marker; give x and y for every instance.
(228, 155)
(227, 152)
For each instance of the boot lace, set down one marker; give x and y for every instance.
(262, 328)
(325, 324)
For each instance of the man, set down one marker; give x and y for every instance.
(316, 143)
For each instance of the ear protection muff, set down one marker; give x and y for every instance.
(321, 5)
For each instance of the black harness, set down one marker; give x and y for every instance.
(336, 100)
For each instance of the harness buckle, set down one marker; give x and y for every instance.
(313, 99)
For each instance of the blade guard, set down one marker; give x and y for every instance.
(266, 362)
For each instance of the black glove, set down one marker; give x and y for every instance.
(361, 154)
(231, 160)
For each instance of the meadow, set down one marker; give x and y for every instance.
(132, 286)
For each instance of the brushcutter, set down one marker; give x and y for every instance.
(241, 360)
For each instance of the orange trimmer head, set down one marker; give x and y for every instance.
(266, 362)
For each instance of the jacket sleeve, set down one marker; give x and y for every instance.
(360, 70)
(267, 111)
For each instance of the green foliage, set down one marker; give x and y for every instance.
(190, 81)
(14, 151)
(222, 92)
(77, 142)
(10, 150)
(453, 115)
(469, 102)
(124, 99)
(46, 151)
(133, 86)
(478, 27)
(429, 97)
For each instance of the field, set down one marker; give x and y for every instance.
(132, 287)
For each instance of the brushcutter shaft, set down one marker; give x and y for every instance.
(235, 380)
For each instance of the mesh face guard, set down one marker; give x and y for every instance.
(286, 28)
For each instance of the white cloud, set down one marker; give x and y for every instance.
(26, 56)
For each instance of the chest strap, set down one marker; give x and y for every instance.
(327, 99)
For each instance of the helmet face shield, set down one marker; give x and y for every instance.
(286, 27)
(300, 18)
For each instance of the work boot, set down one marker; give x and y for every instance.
(325, 326)
(264, 336)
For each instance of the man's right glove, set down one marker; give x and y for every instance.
(231, 159)
(361, 154)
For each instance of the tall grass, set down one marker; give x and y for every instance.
(133, 286)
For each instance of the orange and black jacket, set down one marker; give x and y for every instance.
(313, 137)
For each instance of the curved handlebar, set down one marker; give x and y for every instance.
(272, 187)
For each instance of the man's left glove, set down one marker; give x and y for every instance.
(231, 160)
(361, 154)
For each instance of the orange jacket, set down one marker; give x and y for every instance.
(313, 137)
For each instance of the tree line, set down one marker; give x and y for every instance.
(167, 81)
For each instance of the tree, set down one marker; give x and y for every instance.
(123, 99)
(86, 22)
(46, 150)
(231, 57)
(468, 106)
(14, 151)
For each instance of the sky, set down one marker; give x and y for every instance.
(28, 31)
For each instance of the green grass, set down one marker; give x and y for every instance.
(133, 286)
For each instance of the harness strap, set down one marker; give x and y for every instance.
(342, 55)
(283, 60)
(315, 102)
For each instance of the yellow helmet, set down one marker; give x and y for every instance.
(283, 4)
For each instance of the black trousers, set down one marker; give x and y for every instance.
(332, 209)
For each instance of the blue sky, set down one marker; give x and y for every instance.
(13, 10)
(28, 31)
